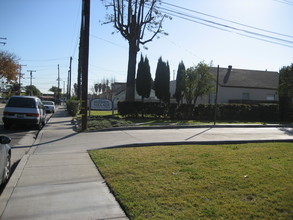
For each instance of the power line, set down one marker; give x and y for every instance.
(228, 28)
(110, 42)
(42, 60)
(233, 22)
(286, 2)
(176, 13)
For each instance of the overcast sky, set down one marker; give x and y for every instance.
(250, 34)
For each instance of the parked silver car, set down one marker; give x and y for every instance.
(27, 110)
(49, 106)
(5, 159)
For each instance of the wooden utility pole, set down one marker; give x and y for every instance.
(58, 79)
(2, 42)
(31, 79)
(217, 87)
(69, 80)
(85, 59)
(20, 76)
(216, 99)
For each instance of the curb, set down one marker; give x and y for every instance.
(150, 144)
(187, 126)
(10, 186)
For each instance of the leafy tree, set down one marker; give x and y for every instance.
(55, 90)
(162, 81)
(98, 87)
(132, 18)
(286, 91)
(197, 81)
(205, 82)
(32, 90)
(105, 86)
(144, 78)
(179, 89)
(9, 67)
(13, 89)
(188, 84)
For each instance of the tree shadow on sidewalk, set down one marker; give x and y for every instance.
(288, 131)
(56, 140)
(198, 134)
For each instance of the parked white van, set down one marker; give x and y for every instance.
(28, 110)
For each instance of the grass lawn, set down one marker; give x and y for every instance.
(243, 181)
(98, 120)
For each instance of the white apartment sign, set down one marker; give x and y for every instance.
(101, 104)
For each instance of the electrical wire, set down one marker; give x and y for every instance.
(110, 42)
(225, 27)
(286, 2)
(233, 22)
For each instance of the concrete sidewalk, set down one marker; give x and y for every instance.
(62, 185)
(58, 180)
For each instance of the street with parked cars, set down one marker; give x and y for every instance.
(21, 119)
(49, 106)
(24, 110)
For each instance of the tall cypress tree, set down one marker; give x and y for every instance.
(162, 81)
(179, 90)
(286, 92)
(144, 78)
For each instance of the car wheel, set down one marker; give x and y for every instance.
(6, 173)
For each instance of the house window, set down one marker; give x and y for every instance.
(245, 96)
(271, 97)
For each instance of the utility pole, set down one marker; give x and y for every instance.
(217, 86)
(85, 59)
(63, 87)
(216, 99)
(69, 80)
(58, 79)
(2, 42)
(31, 79)
(20, 76)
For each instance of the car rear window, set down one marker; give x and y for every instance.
(21, 103)
(48, 103)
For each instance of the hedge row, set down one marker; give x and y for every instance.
(225, 112)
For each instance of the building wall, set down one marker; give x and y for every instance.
(226, 94)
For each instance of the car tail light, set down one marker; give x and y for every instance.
(9, 113)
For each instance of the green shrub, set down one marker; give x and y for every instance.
(73, 106)
(225, 112)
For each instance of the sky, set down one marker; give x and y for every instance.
(250, 34)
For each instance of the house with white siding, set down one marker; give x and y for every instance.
(242, 86)
(238, 86)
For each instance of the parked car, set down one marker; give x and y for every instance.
(5, 159)
(28, 110)
(49, 106)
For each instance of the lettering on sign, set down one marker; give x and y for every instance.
(101, 104)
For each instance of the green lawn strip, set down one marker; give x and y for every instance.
(244, 181)
(98, 120)
(102, 113)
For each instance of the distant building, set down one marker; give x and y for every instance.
(247, 86)
(240, 86)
